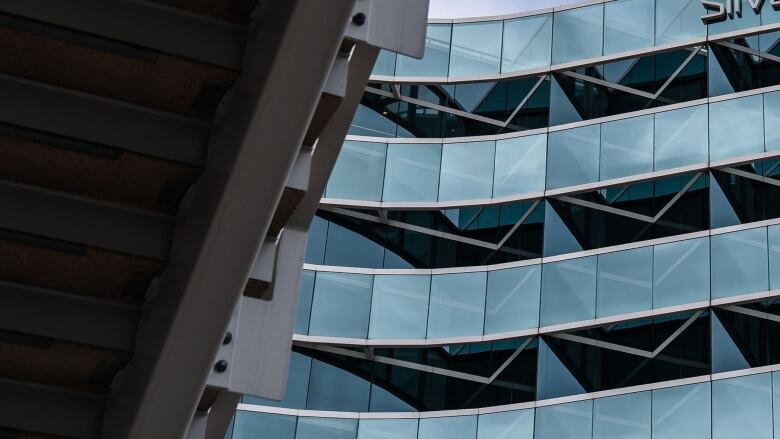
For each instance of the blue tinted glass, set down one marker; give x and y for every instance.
(250, 425)
(387, 429)
(359, 172)
(776, 402)
(573, 157)
(297, 385)
(568, 291)
(627, 147)
(565, 421)
(518, 424)
(682, 412)
(332, 388)
(304, 302)
(315, 245)
(553, 378)
(513, 299)
(625, 282)
(527, 43)
(399, 308)
(476, 48)
(739, 263)
(774, 257)
(742, 408)
(326, 428)
(624, 416)
(346, 248)
(467, 171)
(772, 120)
(368, 122)
(628, 25)
(437, 54)
(578, 34)
(520, 165)
(412, 172)
(681, 272)
(678, 20)
(457, 305)
(341, 305)
(382, 400)
(385, 63)
(748, 18)
(455, 427)
(681, 137)
(736, 127)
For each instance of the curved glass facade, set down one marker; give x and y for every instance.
(563, 224)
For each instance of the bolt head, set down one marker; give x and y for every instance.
(359, 18)
(221, 366)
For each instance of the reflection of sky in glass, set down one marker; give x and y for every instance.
(482, 8)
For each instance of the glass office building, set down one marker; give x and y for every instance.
(560, 224)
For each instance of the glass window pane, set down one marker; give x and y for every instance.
(412, 172)
(467, 171)
(568, 291)
(341, 305)
(332, 388)
(527, 43)
(387, 429)
(776, 402)
(252, 424)
(747, 19)
(772, 120)
(457, 305)
(624, 417)
(315, 244)
(371, 122)
(304, 302)
(681, 272)
(326, 428)
(682, 412)
(681, 138)
(736, 127)
(774, 257)
(348, 248)
(742, 408)
(678, 20)
(297, 385)
(627, 147)
(455, 427)
(476, 48)
(625, 282)
(739, 263)
(359, 172)
(399, 308)
(437, 54)
(518, 424)
(520, 166)
(578, 34)
(385, 63)
(565, 421)
(513, 299)
(628, 25)
(573, 157)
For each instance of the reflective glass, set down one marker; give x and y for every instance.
(772, 120)
(527, 43)
(736, 127)
(387, 429)
(315, 244)
(399, 308)
(747, 19)
(554, 379)
(681, 272)
(513, 299)
(578, 34)
(437, 54)
(625, 282)
(457, 305)
(742, 408)
(455, 427)
(518, 424)
(565, 421)
(359, 172)
(385, 63)
(628, 25)
(573, 157)
(412, 172)
(774, 257)
(252, 424)
(682, 412)
(678, 20)
(626, 147)
(769, 14)
(333, 388)
(476, 48)
(776, 403)
(326, 428)
(369, 122)
(467, 171)
(297, 385)
(739, 263)
(341, 305)
(348, 248)
(520, 166)
(624, 417)
(681, 137)
(568, 291)
(304, 302)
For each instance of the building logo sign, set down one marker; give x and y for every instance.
(727, 9)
